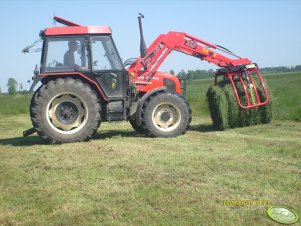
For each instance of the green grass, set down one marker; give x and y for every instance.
(286, 95)
(196, 96)
(121, 178)
(14, 104)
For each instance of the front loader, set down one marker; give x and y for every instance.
(74, 98)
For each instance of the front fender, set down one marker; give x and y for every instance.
(142, 101)
(36, 80)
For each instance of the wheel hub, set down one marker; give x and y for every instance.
(67, 113)
(166, 117)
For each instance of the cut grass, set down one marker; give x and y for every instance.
(121, 178)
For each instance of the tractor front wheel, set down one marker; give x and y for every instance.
(165, 115)
(137, 128)
(65, 110)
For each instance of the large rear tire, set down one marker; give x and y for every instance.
(165, 115)
(65, 110)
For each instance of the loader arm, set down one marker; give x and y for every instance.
(237, 69)
(185, 43)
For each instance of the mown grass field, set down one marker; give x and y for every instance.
(121, 178)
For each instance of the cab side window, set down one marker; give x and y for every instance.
(104, 54)
(65, 54)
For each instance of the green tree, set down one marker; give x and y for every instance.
(0, 90)
(12, 85)
(190, 75)
(182, 74)
(172, 72)
(20, 87)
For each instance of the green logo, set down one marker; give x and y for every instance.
(282, 215)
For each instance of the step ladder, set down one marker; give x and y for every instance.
(116, 111)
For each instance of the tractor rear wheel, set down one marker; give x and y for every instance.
(165, 115)
(65, 110)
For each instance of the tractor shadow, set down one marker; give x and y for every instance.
(36, 140)
(203, 128)
(22, 141)
(107, 134)
(102, 134)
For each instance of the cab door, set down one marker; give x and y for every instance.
(107, 67)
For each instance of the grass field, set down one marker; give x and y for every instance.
(121, 178)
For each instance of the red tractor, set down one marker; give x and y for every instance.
(84, 83)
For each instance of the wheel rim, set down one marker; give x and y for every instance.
(166, 117)
(67, 113)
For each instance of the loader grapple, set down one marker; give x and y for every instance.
(247, 83)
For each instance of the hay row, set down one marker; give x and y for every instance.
(225, 111)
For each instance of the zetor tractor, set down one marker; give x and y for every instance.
(84, 83)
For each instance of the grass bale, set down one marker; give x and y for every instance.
(218, 107)
(233, 108)
(265, 112)
(246, 117)
(225, 111)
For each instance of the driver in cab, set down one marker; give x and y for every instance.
(69, 60)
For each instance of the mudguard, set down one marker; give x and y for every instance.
(141, 102)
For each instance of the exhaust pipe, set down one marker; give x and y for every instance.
(142, 42)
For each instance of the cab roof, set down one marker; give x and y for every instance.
(77, 30)
(72, 28)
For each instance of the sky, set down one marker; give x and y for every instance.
(268, 32)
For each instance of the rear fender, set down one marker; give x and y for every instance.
(44, 78)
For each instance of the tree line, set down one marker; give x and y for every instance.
(194, 74)
(279, 69)
(203, 74)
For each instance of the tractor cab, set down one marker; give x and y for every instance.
(87, 51)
